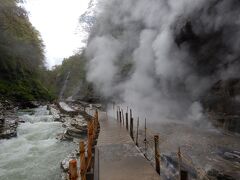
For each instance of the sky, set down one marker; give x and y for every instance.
(58, 23)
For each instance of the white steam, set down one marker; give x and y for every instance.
(161, 82)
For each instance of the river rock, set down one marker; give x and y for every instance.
(79, 123)
(55, 113)
(29, 104)
(8, 120)
(2, 120)
(65, 162)
(76, 133)
(8, 127)
(214, 174)
(229, 154)
(75, 127)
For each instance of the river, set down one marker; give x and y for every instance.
(35, 153)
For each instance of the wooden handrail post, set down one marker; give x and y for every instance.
(95, 126)
(82, 161)
(157, 153)
(120, 115)
(137, 132)
(92, 126)
(96, 122)
(183, 175)
(73, 175)
(117, 115)
(96, 115)
(90, 142)
(131, 125)
(145, 135)
(179, 162)
(130, 113)
(88, 129)
(127, 119)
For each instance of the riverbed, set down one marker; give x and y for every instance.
(35, 153)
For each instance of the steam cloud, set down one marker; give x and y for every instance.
(162, 56)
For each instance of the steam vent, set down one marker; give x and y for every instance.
(120, 89)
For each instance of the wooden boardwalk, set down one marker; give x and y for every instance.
(117, 157)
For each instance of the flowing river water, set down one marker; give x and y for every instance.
(35, 153)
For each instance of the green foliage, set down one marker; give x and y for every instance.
(77, 84)
(27, 89)
(21, 55)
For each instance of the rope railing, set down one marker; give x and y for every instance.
(151, 143)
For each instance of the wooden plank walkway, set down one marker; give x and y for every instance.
(117, 157)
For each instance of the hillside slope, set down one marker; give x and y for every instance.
(21, 55)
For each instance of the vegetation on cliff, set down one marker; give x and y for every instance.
(21, 55)
(72, 74)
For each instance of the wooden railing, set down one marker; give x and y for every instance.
(86, 162)
(151, 140)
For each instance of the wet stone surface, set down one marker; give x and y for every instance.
(75, 125)
(8, 120)
(65, 162)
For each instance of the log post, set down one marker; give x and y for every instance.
(145, 135)
(137, 132)
(96, 122)
(82, 161)
(120, 116)
(73, 175)
(157, 153)
(184, 175)
(131, 125)
(90, 142)
(123, 117)
(127, 119)
(179, 154)
(93, 127)
(117, 115)
(96, 115)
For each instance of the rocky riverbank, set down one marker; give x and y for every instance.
(9, 116)
(75, 124)
(73, 118)
(8, 120)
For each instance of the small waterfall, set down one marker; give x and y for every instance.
(64, 86)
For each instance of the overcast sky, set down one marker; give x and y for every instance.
(57, 21)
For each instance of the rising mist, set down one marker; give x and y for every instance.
(162, 56)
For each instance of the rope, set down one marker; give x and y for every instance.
(149, 150)
(187, 160)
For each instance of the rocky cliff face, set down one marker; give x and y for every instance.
(223, 104)
(210, 35)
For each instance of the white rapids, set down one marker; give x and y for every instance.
(35, 153)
